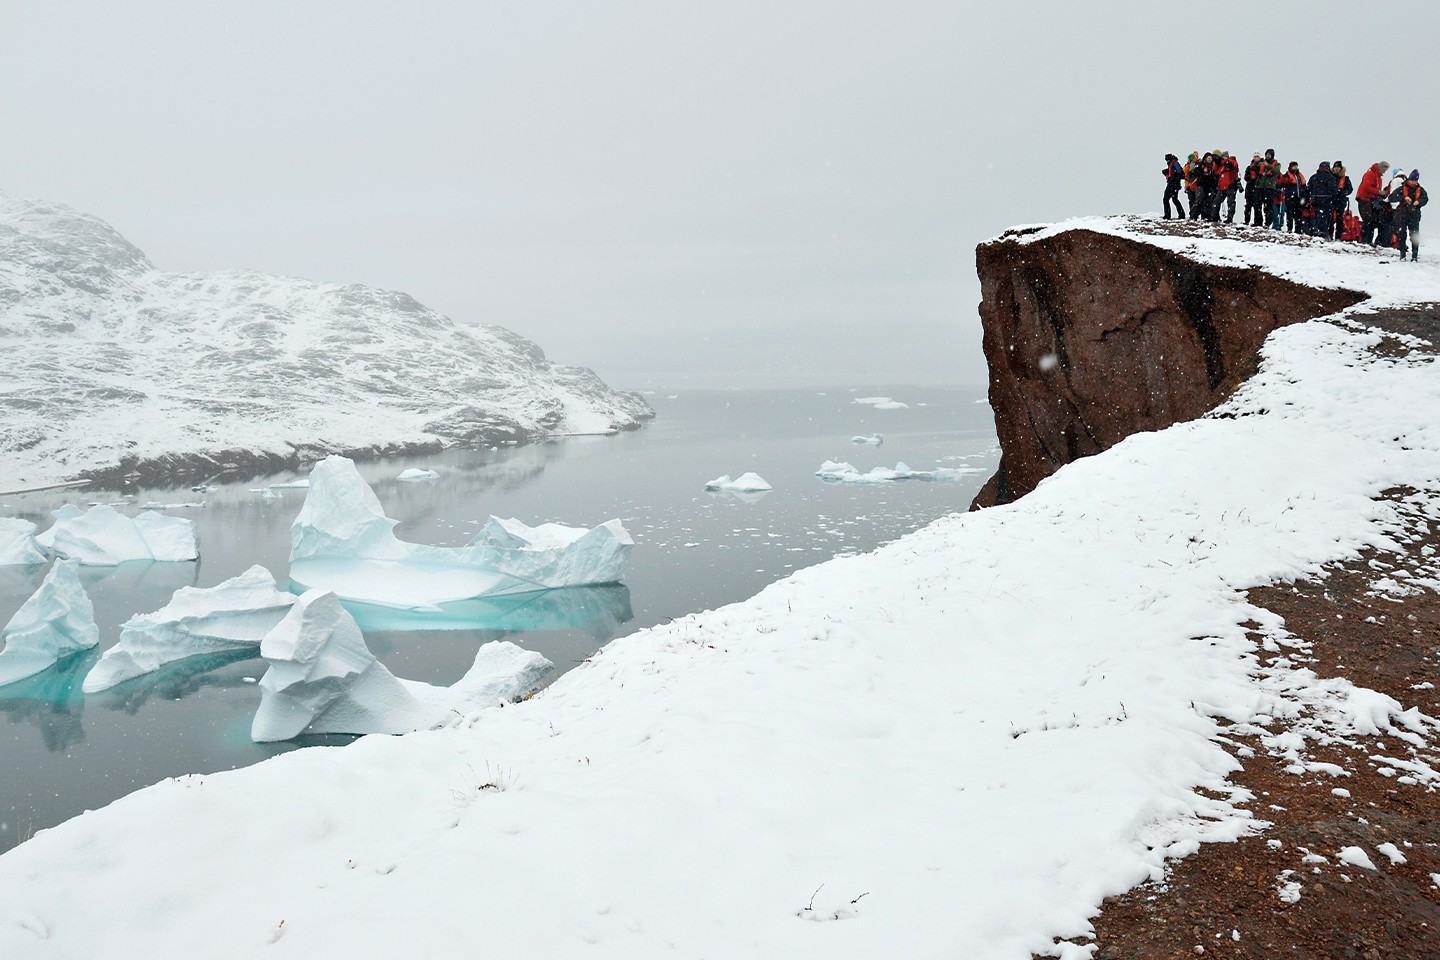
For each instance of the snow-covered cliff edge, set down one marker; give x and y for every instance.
(115, 367)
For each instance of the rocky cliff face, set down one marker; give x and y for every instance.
(1092, 337)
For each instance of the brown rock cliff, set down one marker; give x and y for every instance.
(1091, 337)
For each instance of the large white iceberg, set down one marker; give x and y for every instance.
(834, 472)
(745, 483)
(103, 536)
(234, 615)
(56, 621)
(17, 542)
(343, 542)
(324, 679)
(46, 538)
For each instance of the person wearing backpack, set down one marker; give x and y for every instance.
(1174, 179)
(1371, 190)
(1322, 201)
(1409, 198)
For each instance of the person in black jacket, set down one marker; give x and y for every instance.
(1323, 187)
(1207, 195)
(1174, 179)
(1252, 192)
(1408, 199)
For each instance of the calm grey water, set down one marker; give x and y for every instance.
(63, 752)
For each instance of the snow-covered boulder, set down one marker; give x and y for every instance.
(234, 615)
(56, 621)
(17, 542)
(342, 541)
(103, 536)
(745, 483)
(324, 679)
(201, 368)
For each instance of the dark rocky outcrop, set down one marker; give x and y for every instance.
(1092, 337)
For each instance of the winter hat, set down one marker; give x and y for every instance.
(1324, 165)
(1414, 175)
(1337, 163)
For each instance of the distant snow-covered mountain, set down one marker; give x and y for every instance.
(113, 366)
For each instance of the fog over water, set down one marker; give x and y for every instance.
(737, 193)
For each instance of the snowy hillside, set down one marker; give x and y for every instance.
(955, 746)
(111, 361)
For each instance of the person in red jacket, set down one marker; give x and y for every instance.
(1372, 188)
(1228, 185)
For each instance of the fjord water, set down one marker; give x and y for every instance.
(63, 752)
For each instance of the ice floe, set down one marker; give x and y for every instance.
(882, 403)
(233, 615)
(324, 679)
(834, 472)
(342, 541)
(103, 536)
(745, 483)
(55, 622)
(415, 473)
(17, 542)
(874, 440)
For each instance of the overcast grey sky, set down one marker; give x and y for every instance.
(671, 192)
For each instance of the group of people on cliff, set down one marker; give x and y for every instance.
(1283, 198)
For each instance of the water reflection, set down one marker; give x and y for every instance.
(600, 610)
(180, 678)
(52, 701)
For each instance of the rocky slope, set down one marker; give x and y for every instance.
(1091, 337)
(115, 367)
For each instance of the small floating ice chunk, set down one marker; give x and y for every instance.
(874, 440)
(414, 473)
(17, 542)
(56, 621)
(302, 484)
(233, 615)
(266, 494)
(745, 483)
(102, 536)
(342, 541)
(882, 403)
(324, 679)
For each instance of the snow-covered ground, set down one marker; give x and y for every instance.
(108, 358)
(954, 746)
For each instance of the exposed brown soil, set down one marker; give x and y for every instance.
(1284, 892)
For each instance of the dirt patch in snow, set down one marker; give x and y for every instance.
(1288, 891)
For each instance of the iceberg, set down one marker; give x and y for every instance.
(745, 483)
(55, 622)
(17, 543)
(833, 472)
(882, 403)
(414, 473)
(46, 539)
(873, 440)
(102, 536)
(233, 615)
(342, 541)
(324, 679)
